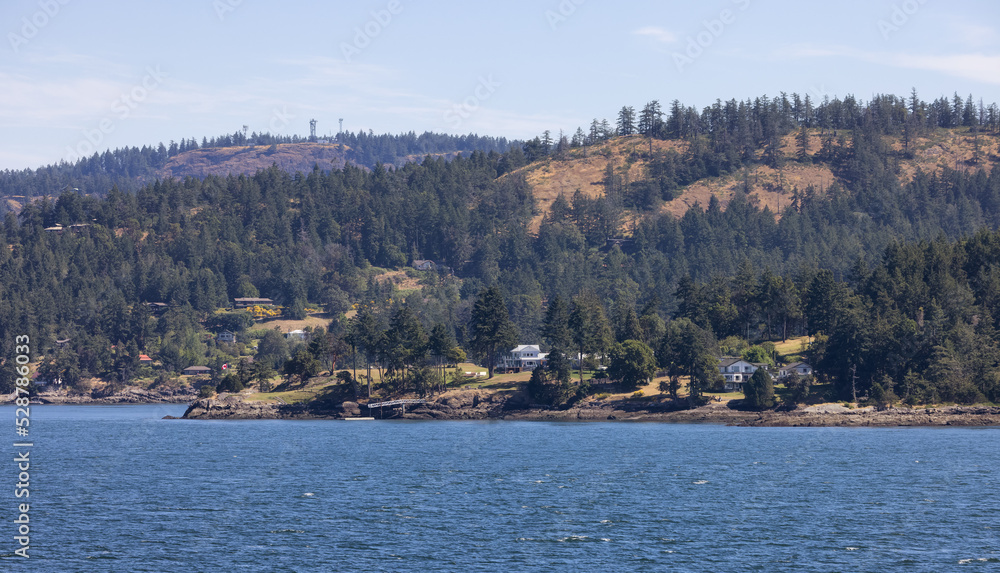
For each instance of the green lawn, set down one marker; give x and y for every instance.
(727, 395)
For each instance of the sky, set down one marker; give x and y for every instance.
(78, 77)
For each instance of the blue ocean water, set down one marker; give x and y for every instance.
(115, 488)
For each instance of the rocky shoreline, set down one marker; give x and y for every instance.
(129, 395)
(477, 405)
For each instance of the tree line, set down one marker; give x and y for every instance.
(130, 168)
(325, 238)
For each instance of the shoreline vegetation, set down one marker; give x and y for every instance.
(499, 405)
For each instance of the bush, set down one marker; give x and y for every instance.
(206, 391)
(230, 383)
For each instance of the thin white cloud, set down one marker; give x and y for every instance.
(973, 34)
(656, 33)
(979, 66)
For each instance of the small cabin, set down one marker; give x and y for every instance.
(248, 302)
(196, 370)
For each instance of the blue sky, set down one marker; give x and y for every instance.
(75, 76)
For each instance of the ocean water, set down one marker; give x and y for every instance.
(115, 488)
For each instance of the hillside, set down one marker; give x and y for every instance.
(585, 169)
(130, 168)
(891, 253)
(247, 160)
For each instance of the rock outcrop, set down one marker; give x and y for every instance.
(484, 405)
(128, 395)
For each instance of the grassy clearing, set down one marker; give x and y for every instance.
(793, 347)
(313, 388)
(726, 396)
(313, 320)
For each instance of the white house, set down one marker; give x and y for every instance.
(296, 335)
(797, 368)
(523, 358)
(226, 336)
(736, 371)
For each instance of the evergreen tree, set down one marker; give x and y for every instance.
(491, 327)
(759, 391)
(626, 121)
(555, 325)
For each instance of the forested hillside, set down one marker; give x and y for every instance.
(238, 153)
(892, 264)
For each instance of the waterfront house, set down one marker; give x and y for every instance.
(736, 371)
(523, 358)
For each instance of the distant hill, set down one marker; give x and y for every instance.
(222, 161)
(247, 160)
(130, 168)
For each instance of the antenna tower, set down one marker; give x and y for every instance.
(312, 129)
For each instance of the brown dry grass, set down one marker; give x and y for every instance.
(284, 325)
(584, 169)
(943, 148)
